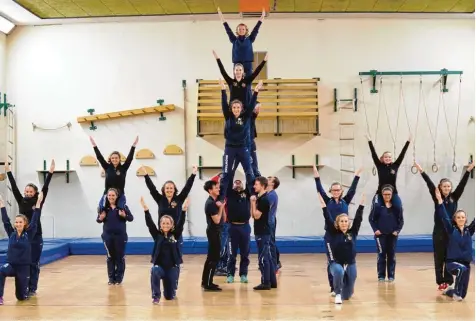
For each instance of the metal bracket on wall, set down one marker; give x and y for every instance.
(443, 73)
(91, 112)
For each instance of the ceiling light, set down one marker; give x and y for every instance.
(6, 26)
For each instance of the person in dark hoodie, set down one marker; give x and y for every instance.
(19, 249)
(387, 170)
(337, 204)
(440, 238)
(342, 252)
(115, 173)
(237, 123)
(114, 236)
(459, 253)
(26, 206)
(386, 222)
(242, 40)
(239, 213)
(166, 257)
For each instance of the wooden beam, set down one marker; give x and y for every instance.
(127, 113)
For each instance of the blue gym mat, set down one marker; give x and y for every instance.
(56, 249)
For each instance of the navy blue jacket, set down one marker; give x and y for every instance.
(341, 246)
(242, 46)
(159, 239)
(273, 206)
(460, 243)
(114, 223)
(386, 220)
(115, 176)
(237, 130)
(450, 202)
(387, 174)
(342, 206)
(240, 89)
(238, 205)
(19, 246)
(26, 205)
(174, 207)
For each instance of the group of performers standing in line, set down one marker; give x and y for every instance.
(232, 203)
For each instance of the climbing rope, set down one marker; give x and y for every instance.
(365, 108)
(388, 118)
(454, 167)
(433, 134)
(374, 169)
(414, 169)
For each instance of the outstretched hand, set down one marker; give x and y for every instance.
(52, 166)
(143, 204)
(194, 169)
(323, 203)
(222, 84)
(220, 14)
(215, 54)
(420, 169)
(136, 141)
(470, 167)
(263, 15)
(316, 172)
(40, 199)
(2, 203)
(362, 199)
(185, 205)
(259, 86)
(91, 139)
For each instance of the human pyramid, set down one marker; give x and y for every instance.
(231, 204)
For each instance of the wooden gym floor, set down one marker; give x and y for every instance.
(76, 289)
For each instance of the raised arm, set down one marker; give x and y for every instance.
(249, 79)
(153, 230)
(16, 192)
(181, 222)
(230, 33)
(375, 158)
(471, 228)
(223, 72)
(49, 175)
(152, 189)
(99, 156)
(188, 185)
(250, 107)
(225, 107)
(358, 216)
(353, 187)
(462, 184)
(319, 187)
(442, 213)
(400, 158)
(255, 30)
(6, 220)
(33, 225)
(130, 156)
(428, 181)
(327, 218)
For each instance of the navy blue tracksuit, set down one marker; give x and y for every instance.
(273, 208)
(242, 51)
(115, 178)
(238, 209)
(440, 237)
(114, 237)
(26, 207)
(263, 241)
(335, 208)
(387, 175)
(252, 148)
(459, 252)
(386, 220)
(18, 255)
(237, 130)
(166, 258)
(342, 253)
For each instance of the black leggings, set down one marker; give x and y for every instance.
(213, 256)
(440, 242)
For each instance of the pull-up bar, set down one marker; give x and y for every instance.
(442, 72)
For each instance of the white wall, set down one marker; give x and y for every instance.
(55, 73)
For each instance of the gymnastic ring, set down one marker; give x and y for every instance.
(374, 171)
(434, 168)
(414, 169)
(454, 167)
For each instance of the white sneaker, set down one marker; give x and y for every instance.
(333, 294)
(457, 297)
(338, 299)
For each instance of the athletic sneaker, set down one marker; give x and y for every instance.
(212, 289)
(338, 299)
(32, 293)
(230, 279)
(391, 280)
(220, 273)
(442, 286)
(457, 297)
(333, 294)
(381, 279)
(156, 301)
(1, 300)
(243, 279)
